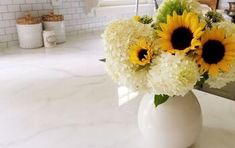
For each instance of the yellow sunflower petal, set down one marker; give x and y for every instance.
(184, 15)
(175, 18)
(230, 47)
(169, 19)
(201, 26)
(198, 34)
(204, 37)
(219, 34)
(213, 71)
(224, 66)
(180, 20)
(187, 20)
(199, 52)
(200, 61)
(163, 35)
(229, 40)
(163, 26)
(204, 67)
(194, 23)
(228, 58)
(196, 43)
(165, 45)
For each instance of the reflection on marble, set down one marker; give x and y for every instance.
(62, 98)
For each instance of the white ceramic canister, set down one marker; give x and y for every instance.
(49, 38)
(59, 29)
(30, 35)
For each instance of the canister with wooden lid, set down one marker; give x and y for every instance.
(29, 31)
(55, 23)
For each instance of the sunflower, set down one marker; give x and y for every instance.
(141, 52)
(217, 52)
(136, 18)
(181, 33)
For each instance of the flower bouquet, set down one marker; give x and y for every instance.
(173, 52)
(167, 56)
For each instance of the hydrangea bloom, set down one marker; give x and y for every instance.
(222, 79)
(118, 36)
(173, 75)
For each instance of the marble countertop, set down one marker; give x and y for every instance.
(62, 98)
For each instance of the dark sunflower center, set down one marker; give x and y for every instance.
(142, 53)
(181, 38)
(213, 52)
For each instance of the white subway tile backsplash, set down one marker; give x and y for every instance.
(10, 30)
(5, 2)
(15, 37)
(47, 6)
(26, 7)
(37, 6)
(79, 10)
(75, 4)
(4, 24)
(8, 16)
(5, 38)
(19, 14)
(13, 8)
(82, 3)
(67, 5)
(2, 31)
(3, 45)
(3, 8)
(68, 17)
(29, 1)
(18, 1)
(43, 12)
(12, 43)
(12, 23)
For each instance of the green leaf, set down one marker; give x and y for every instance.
(159, 99)
(103, 60)
(203, 79)
(146, 20)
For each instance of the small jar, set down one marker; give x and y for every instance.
(56, 23)
(49, 38)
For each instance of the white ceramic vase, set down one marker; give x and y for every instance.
(174, 124)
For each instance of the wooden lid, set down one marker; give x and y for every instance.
(211, 3)
(51, 17)
(28, 19)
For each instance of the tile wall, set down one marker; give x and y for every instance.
(76, 20)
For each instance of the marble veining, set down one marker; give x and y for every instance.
(62, 98)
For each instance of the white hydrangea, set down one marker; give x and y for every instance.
(173, 75)
(229, 27)
(194, 6)
(224, 78)
(117, 38)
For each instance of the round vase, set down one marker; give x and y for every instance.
(174, 124)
